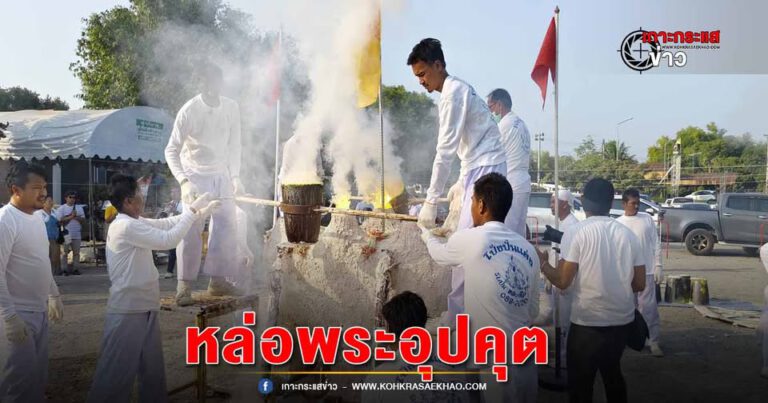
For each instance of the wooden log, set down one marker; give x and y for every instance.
(700, 291)
(360, 213)
(370, 214)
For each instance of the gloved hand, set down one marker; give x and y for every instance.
(425, 233)
(427, 215)
(189, 192)
(456, 192)
(200, 202)
(206, 211)
(55, 308)
(239, 188)
(658, 275)
(15, 330)
(552, 235)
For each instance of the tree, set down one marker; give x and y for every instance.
(19, 98)
(609, 152)
(413, 117)
(148, 53)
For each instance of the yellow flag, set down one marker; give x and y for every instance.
(369, 67)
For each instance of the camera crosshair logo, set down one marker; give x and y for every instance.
(633, 43)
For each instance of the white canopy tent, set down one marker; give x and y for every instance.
(137, 133)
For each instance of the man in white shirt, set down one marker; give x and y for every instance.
(72, 217)
(203, 153)
(131, 345)
(641, 224)
(561, 205)
(29, 297)
(467, 130)
(516, 142)
(501, 277)
(403, 311)
(602, 264)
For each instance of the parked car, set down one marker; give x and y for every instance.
(540, 214)
(677, 201)
(703, 196)
(740, 219)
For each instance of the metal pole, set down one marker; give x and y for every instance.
(556, 90)
(539, 138)
(381, 123)
(276, 211)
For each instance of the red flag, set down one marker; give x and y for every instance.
(546, 61)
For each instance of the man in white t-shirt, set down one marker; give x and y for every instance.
(406, 310)
(131, 346)
(29, 297)
(501, 277)
(516, 142)
(72, 217)
(602, 264)
(561, 204)
(467, 130)
(641, 224)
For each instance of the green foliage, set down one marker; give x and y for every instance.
(413, 117)
(19, 98)
(147, 53)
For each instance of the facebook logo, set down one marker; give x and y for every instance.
(265, 386)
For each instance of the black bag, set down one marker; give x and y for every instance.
(637, 332)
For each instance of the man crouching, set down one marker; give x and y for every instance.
(131, 344)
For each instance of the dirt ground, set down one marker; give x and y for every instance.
(706, 360)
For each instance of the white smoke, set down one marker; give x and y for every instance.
(332, 123)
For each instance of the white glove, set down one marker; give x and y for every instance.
(55, 308)
(456, 192)
(189, 192)
(200, 202)
(425, 232)
(206, 211)
(239, 188)
(658, 275)
(15, 329)
(427, 215)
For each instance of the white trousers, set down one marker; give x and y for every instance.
(649, 308)
(131, 347)
(517, 213)
(456, 296)
(25, 365)
(220, 261)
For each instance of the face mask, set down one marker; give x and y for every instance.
(496, 117)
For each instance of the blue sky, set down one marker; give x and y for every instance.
(494, 44)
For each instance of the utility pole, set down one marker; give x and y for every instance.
(617, 135)
(539, 137)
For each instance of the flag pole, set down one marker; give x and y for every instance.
(558, 327)
(381, 122)
(276, 211)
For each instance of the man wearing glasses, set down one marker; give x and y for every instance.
(72, 217)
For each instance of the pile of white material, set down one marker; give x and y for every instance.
(345, 277)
